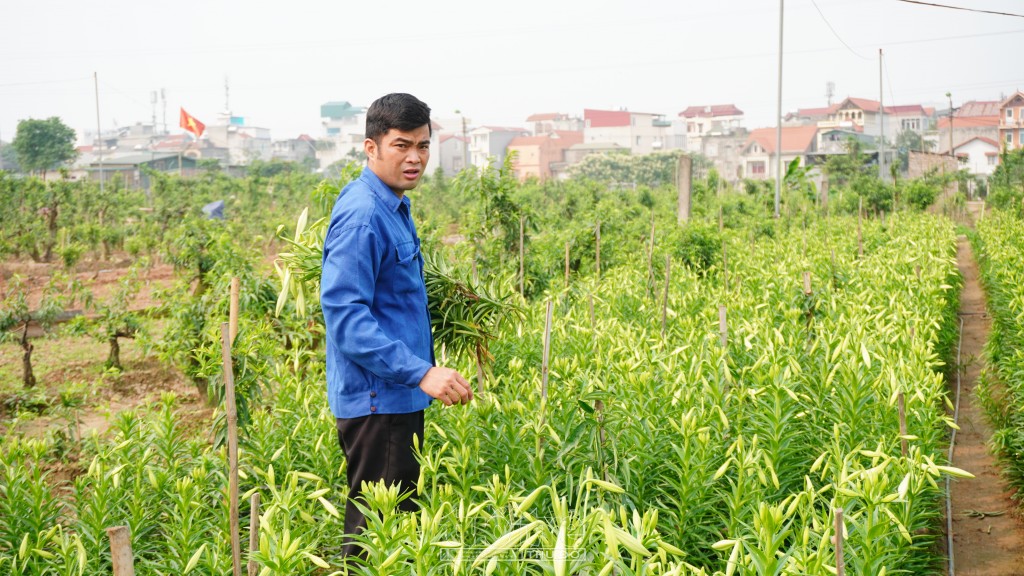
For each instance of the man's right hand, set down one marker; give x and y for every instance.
(446, 385)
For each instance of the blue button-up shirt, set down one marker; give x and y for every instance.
(379, 344)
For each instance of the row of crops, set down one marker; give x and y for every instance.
(1001, 260)
(654, 448)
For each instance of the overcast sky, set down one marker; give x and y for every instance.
(497, 62)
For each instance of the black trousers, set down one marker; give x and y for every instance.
(378, 447)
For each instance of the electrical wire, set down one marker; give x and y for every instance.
(836, 34)
(962, 8)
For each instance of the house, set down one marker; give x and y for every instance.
(577, 152)
(244, 143)
(638, 132)
(452, 153)
(974, 119)
(300, 150)
(809, 116)
(488, 143)
(543, 156)
(979, 155)
(546, 123)
(759, 152)
(344, 131)
(131, 167)
(871, 118)
(703, 121)
(1011, 122)
(723, 151)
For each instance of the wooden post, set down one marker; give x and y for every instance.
(566, 264)
(599, 410)
(903, 423)
(721, 220)
(917, 271)
(522, 257)
(254, 532)
(650, 259)
(860, 236)
(807, 283)
(664, 302)
(723, 326)
(725, 268)
(597, 248)
(684, 183)
(121, 551)
(232, 417)
(824, 196)
(840, 563)
(593, 319)
(547, 353)
(476, 279)
(233, 311)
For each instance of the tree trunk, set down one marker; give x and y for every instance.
(28, 377)
(114, 360)
(51, 226)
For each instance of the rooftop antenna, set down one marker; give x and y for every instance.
(152, 100)
(163, 97)
(227, 91)
(830, 91)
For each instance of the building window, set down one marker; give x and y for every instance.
(757, 167)
(1009, 138)
(1009, 113)
(992, 160)
(638, 140)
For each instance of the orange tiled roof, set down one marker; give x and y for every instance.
(794, 138)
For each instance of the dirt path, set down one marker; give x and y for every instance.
(988, 538)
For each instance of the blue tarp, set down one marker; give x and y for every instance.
(214, 210)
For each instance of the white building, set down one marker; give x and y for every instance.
(979, 155)
(703, 121)
(638, 132)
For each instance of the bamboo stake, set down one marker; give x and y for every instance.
(723, 326)
(721, 220)
(807, 283)
(121, 551)
(547, 351)
(232, 417)
(725, 267)
(566, 264)
(597, 245)
(860, 236)
(664, 302)
(840, 563)
(522, 257)
(599, 409)
(903, 423)
(233, 314)
(650, 259)
(254, 532)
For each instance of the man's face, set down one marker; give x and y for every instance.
(400, 158)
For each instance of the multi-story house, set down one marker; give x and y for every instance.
(244, 143)
(548, 122)
(543, 156)
(871, 118)
(974, 119)
(1011, 122)
(452, 154)
(487, 144)
(344, 131)
(759, 154)
(638, 132)
(704, 121)
(302, 150)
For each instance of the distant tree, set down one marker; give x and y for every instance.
(1006, 184)
(43, 145)
(9, 158)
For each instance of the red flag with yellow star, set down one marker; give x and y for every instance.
(190, 123)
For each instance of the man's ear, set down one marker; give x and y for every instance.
(370, 147)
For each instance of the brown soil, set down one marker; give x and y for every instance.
(988, 534)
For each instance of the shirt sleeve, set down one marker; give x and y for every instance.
(352, 258)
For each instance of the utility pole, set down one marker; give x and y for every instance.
(881, 122)
(778, 119)
(950, 96)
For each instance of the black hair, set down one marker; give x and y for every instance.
(401, 111)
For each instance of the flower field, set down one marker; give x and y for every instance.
(709, 399)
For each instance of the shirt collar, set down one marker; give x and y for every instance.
(383, 192)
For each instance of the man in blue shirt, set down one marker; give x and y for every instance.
(380, 358)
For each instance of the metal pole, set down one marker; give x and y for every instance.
(778, 119)
(99, 135)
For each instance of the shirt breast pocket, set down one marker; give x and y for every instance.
(408, 274)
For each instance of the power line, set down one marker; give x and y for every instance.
(962, 8)
(836, 34)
